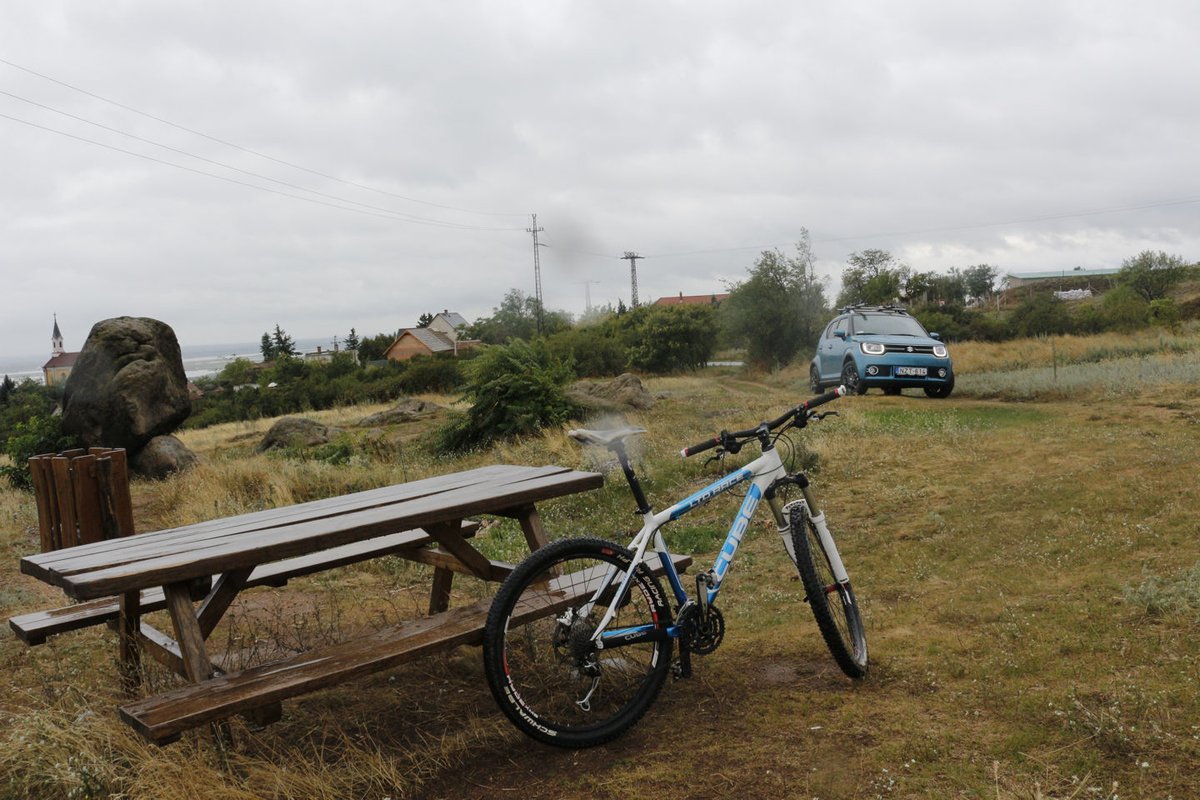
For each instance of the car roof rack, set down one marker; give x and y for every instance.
(865, 307)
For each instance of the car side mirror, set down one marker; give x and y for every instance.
(933, 335)
(840, 334)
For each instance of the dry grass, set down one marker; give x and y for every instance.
(1026, 570)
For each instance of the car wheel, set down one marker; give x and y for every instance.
(943, 390)
(850, 379)
(814, 380)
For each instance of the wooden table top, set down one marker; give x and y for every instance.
(209, 548)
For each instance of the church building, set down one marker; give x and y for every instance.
(56, 370)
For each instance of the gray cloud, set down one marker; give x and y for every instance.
(949, 133)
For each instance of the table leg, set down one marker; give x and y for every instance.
(128, 623)
(187, 632)
(439, 599)
(531, 526)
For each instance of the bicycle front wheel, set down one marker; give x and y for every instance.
(542, 665)
(832, 603)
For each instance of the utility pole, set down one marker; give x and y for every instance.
(537, 271)
(632, 258)
(587, 296)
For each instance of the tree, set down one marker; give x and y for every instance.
(517, 318)
(6, 388)
(663, 339)
(282, 344)
(1152, 274)
(780, 309)
(424, 320)
(980, 281)
(874, 277)
(372, 348)
(352, 340)
(267, 347)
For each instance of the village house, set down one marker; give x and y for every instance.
(56, 370)
(692, 300)
(443, 334)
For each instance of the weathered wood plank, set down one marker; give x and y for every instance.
(60, 470)
(277, 543)
(33, 628)
(109, 552)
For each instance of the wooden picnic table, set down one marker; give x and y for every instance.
(426, 521)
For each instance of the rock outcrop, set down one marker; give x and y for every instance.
(296, 432)
(127, 386)
(162, 456)
(406, 410)
(623, 393)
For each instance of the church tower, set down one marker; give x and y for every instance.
(56, 340)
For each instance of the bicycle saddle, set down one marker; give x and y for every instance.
(605, 438)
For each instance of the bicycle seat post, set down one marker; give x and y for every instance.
(635, 485)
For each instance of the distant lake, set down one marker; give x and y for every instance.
(198, 360)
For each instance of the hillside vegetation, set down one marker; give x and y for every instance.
(1029, 573)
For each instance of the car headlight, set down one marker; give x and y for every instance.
(939, 350)
(872, 348)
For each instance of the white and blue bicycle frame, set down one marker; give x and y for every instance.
(764, 473)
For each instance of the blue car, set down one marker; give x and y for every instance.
(880, 346)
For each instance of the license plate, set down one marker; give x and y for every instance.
(921, 371)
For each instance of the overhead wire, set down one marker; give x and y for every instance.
(253, 152)
(400, 214)
(227, 179)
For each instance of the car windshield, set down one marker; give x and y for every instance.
(887, 324)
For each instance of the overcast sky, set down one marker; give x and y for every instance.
(1026, 135)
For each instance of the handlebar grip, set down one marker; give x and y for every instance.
(822, 399)
(700, 448)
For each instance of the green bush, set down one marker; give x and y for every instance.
(1124, 309)
(515, 389)
(35, 436)
(595, 350)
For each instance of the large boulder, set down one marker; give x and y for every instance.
(296, 432)
(162, 456)
(622, 393)
(127, 386)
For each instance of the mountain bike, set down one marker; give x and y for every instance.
(579, 638)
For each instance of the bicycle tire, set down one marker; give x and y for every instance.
(537, 670)
(840, 622)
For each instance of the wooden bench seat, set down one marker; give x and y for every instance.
(34, 628)
(162, 718)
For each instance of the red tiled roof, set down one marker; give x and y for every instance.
(690, 299)
(64, 360)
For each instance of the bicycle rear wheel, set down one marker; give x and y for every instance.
(542, 667)
(832, 603)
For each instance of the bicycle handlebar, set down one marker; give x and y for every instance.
(725, 436)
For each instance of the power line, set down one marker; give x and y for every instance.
(386, 214)
(254, 152)
(400, 214)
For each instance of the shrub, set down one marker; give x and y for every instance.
(515, 389)
(1124, 309)
(1040, 315)
(595, 350)
(37, 435)
(1165, 313)
(441, 373)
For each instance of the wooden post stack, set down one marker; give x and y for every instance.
(82, 496)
